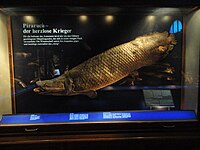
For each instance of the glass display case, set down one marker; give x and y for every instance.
(108, 66)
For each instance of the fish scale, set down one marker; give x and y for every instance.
(111, 65)
(118, 58)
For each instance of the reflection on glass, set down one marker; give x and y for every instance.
(150, 18)
(29, 19)
(109, 19)
(83, 18)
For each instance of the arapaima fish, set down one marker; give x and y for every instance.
(110, 66)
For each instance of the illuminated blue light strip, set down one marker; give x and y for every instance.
(164, 87)
(99, 117)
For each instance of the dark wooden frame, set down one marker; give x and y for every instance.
(55, 133)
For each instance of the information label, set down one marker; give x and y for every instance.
(116, 115)
(73, 116)
(43, 35)
(158, 98)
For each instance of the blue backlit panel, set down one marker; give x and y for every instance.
(99, 117)
(176, 27)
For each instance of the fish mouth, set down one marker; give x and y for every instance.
(48, 90)
(39, 89)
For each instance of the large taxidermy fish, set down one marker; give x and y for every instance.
(110, 66)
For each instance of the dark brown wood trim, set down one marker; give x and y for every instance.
(10, 49)
(183, 62)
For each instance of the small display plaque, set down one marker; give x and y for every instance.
(158, 98)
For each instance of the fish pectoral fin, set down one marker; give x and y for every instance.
(91, 94)
(69, 86)
(135, 76)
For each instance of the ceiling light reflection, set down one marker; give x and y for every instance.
(83, 18)
(151, 18)
(166, 18)
(29, 19)
(109, 18)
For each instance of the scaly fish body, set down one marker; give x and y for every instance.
(111, 65)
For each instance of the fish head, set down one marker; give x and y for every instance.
(49, 87)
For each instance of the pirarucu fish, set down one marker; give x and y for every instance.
(110, 66)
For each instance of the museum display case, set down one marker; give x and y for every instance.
(121, 68)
